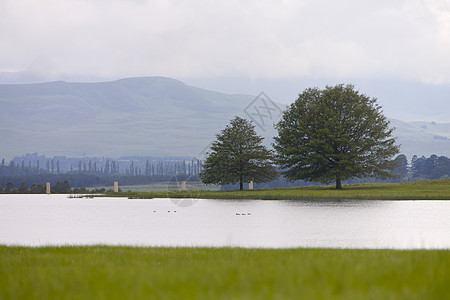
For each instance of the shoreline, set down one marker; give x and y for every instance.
(410, 191)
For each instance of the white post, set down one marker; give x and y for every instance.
(47, 188)
(116, 186)
(183, 186)
(250, 185)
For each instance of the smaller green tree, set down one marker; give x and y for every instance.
(237, 155)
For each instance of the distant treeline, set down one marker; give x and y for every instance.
(433, 167)
(27, 174)
(37, 188)
(94, 172)
(34, 164)
(84, 180)
(58, 188)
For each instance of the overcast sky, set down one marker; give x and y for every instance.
(396, 38)
(406, 40)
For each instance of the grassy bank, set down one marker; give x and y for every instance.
(223, 273)
(163, 187)
(420, 190)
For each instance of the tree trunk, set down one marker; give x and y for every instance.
(338, 183)
(241, 184)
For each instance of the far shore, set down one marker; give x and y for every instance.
(419, 190)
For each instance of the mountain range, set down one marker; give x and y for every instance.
(149, 116)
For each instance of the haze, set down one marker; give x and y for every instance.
(396, 51)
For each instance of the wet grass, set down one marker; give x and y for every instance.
(419, 190)
(100, 272)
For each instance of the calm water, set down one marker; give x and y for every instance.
(57, 220)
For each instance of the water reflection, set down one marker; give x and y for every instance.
(57, 220)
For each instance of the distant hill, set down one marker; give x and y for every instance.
(423, 138)
(151, 116)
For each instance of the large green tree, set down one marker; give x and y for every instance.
(237, 155)
(335, 134)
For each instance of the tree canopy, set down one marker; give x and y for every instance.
(237, 155)
(335, 134)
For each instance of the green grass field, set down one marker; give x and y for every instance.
(221, 273)
(419, 190)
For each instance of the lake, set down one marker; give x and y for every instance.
(37, 220)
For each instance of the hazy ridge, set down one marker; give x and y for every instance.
(149, 116)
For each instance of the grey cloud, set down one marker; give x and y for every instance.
(345, 39)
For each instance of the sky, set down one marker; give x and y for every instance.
(279, 46)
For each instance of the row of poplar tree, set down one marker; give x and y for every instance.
(106, 168)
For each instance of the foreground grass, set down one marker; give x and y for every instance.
(420, 190)
(222, 273)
